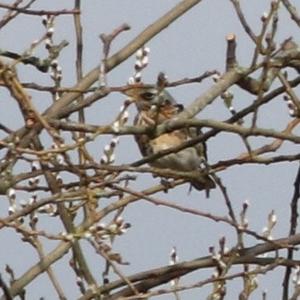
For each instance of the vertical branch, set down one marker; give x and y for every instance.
(293, 226)
(66, 217)
(269, 37)
(266, 19)
(107, 40)
(79, 44)
(77, 252)
(79, 48)
(230, 53)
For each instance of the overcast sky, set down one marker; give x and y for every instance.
(193, 44)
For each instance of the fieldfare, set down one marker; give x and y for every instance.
(155, 106)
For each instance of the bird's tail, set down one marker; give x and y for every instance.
(204, 183)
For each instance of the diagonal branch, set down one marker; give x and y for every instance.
(152, 30)
(155, 277)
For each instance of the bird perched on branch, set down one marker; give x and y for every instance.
(155, 106)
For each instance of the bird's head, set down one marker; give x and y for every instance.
(146, 96)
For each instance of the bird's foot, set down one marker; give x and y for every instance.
(166, 183)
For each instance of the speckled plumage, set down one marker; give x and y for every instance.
(156, 107)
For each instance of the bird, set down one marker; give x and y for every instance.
(155, 106)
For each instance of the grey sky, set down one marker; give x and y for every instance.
(193, 44)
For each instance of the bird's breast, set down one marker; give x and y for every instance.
(185, 160)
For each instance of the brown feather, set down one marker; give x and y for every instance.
(154, 108)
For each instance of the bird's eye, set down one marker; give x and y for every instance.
(148, 96)
(180, 107)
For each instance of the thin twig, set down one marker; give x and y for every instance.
(40, 12)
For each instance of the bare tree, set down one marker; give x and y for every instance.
(50, 160)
